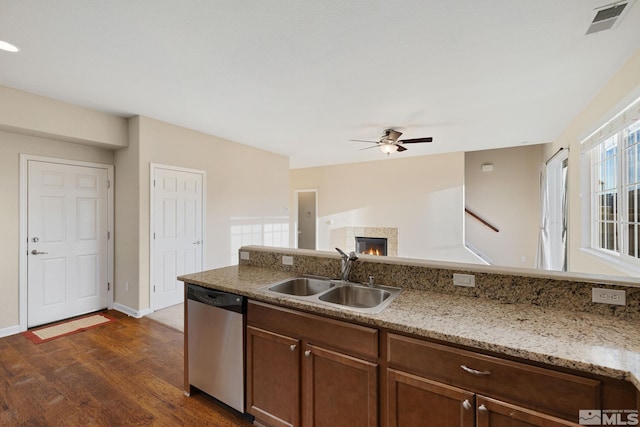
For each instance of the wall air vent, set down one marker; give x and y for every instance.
(608, 17)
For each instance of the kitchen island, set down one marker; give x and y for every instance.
(599, 353)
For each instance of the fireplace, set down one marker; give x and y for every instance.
(371, 245)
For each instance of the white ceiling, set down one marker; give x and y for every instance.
(301, 78)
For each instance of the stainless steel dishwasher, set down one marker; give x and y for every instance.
(216, 344)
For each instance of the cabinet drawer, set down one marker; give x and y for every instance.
(353, 339)
(537, 388)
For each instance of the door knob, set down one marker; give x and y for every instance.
(36, 252)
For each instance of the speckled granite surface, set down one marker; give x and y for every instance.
(604, 345)
(524, 286)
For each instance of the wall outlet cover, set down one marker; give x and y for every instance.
(466, 280)
(608, 296)
(244, 255)
(287, 260)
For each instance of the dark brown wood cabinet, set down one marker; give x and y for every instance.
(474, 389)
(339, 390)
(417, 401)
(307, 370)
(494, 413)
(273, 388)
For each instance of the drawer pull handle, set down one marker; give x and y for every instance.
(466, 404)
(307, 353)
(474, 371)
(483, 409)
(293, 347)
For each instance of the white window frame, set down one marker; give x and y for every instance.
(590, 231)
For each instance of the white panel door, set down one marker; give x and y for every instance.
(177, 235)
(67, 225)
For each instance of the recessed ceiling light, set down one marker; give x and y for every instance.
(8, 47)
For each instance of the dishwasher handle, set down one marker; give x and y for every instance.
(217, 299)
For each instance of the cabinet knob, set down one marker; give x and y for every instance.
(293, 347)
(466, 404)
(307, 353)
(482, 409)
(474, 371)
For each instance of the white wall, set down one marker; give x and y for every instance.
(242, 182)
(620, 90)
(421, 196)
(11, 146)
(508, 198)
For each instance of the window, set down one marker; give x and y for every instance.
(615, 190)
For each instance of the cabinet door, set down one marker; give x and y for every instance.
(494, 413)
(339, 390)
(416, 401)
(273, 378)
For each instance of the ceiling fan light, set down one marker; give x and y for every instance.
(388, 148)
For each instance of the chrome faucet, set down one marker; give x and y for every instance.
(346, 263)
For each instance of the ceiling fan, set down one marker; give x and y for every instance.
(389, 142)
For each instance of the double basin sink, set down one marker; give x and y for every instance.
(337, 293)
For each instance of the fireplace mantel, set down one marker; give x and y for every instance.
(344, 237)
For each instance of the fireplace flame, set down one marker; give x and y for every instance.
(372, 251)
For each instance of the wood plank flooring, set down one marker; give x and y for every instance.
(129, 372)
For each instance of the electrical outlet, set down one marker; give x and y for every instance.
(287, 260)
(608, 296)
(466, 280)
(244, 255)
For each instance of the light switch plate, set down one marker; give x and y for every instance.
(287, 260)
(466, 280)
(244, 255)
(608, 296)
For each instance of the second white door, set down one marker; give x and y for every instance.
(177, 232)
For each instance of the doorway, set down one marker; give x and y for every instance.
(306, 202)
(66, 244)
(177, 230)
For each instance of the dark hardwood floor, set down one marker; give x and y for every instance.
(129, 372)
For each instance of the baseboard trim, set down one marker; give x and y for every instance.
(10, 330)
(130, 311)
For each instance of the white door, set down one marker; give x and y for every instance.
(67, 226)
(177, 232)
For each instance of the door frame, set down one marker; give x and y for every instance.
(23, 261)
(296, 201)
(152, 200)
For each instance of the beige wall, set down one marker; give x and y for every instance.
(616, 94)
(508, 198)
(421, 196)
(26, 113)
(241, 182)
(11, 146)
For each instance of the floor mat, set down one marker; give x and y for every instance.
(48, 333)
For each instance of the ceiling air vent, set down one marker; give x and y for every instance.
(609, 16)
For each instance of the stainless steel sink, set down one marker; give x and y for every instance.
(337, 293)
(302, 286)
(356, 296)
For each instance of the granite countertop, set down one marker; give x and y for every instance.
(597, 344)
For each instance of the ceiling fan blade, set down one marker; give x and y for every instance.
(400, 148)
(367, 148)
(416, 140)
(364, 140)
